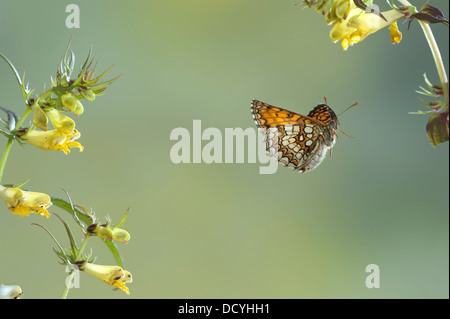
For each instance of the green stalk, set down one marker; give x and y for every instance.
(68, 279)
(9, 143)
(436, 55)
(5, 157)
(72, 272)
(437, 59)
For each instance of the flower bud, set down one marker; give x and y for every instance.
(79, 109)
(72, 104)
(68, 101)
(120, 235)
(101, 231)
(88, 95)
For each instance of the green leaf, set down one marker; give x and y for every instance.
(61, 253)
(123, 219)
(74, 211)
(115, 251)
(13, 68)
(437, 128)
(73, 244)
(86, 62)
(21, 184)
(25, 91)
(66, 64)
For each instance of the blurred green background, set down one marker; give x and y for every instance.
(224, 230)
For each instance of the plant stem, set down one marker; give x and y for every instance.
(9, 143)
(436, 55)
(437, 59)
(67, 283)
(73, 271)
(5, 157)
(83, 245)
(22, 119)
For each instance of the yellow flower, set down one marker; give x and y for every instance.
(112, 275)
(55, 140)
(60, 139)
(23, 203)
(351, 24)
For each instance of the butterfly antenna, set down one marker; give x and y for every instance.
(326, 101)
(345, 133)
(349, 108)
(343, 112)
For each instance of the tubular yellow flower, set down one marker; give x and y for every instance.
(351, 24)
(60, 139)
(112, 275)
(56, 140)
(23, 203)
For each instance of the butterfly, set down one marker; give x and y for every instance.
(297, 141)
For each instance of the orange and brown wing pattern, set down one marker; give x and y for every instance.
(297, 141)
(267, 115)
(295, 146)
(324, 114)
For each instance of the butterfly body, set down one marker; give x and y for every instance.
(297, 141)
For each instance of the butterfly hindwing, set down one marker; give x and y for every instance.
(291, 146)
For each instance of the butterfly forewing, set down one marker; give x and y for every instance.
(297, 141)
(267, 115)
